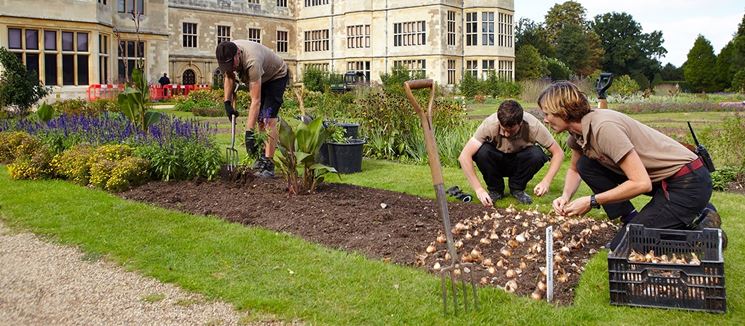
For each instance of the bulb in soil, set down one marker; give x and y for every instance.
(485, 241)
(493, 236)
(447, 256)
(518, 216)
(431, 248)
(558, 258)
(436, 267)
(456, 272)
(536, 296)
(540, 224)
(475, 233)
(505, 252)
(512, 243)
(492, 270)
(526, 224)
(484, 281)
(461, 227)
(500, 263)
(487, 262)
(565, 249)
(468, 236)
(543, 270)
(603, 225)
(441, 238)
(563, 278)
(520, 238)
(476, 255)
(595, 228)
(459, 244)
(510, 286)
(586, 232)
(510, 273)
(523, 265)
(541, 286)
(558, 235)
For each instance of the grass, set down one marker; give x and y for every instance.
(282, 275)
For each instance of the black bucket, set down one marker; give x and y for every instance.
(351, 130)
(346, 157)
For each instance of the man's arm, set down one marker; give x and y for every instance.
(253, 110)
(638, 183)
(571, 184)
(557, 156)
(466, 163)
(228, 86)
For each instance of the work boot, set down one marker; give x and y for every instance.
(267, 171)
(495, 195)
(709, 218)
(521, 197)
(259, 163)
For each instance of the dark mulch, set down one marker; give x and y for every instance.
(379, 224)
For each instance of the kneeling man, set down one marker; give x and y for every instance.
(506, 145)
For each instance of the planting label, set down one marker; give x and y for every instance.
(549, 263)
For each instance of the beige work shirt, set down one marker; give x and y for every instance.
(607, 136)
(531, 131)
(259, 63)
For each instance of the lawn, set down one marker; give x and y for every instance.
(280, 274)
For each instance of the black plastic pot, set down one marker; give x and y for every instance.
(346, 157)
(351, 130)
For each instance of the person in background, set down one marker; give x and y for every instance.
(504, 145)
(266, 75)
(163, 81)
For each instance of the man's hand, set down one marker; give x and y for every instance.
(559, 204)
(484, 197)
(541, 188)
(578, 206)
(229, 110)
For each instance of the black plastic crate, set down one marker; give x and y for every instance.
(691, 287)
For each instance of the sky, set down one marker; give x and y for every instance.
(680, 21)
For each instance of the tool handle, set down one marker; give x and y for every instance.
(426, 119)
(232, 131)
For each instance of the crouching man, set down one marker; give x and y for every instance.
(506, 144)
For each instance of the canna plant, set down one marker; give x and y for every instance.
(134, 103)
(297, 156)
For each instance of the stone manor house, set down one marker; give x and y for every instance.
(75, 43)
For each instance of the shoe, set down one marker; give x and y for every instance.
(522, 197)
(709, 218)
(495, 195)
(259, 163)
(267, 171)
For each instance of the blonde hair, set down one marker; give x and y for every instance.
(564, 100)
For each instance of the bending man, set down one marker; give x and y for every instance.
(266, 75)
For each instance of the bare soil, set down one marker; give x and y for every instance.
(395, 227)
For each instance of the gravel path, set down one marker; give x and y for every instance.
(48, 284)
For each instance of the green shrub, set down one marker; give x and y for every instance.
(13, 143)
(102, 105)
(127, 172)
(112, 152)
(73, 165)
(181, 160)
(721, 178)
(19, 87)
(34, 163)
(315, 79)
(738, 82)
(208, 112)
(469, 86)
(501, 88)
(623, 86)
(557, 70)
(73, 107)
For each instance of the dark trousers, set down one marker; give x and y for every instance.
(519, 167)
(675, 208)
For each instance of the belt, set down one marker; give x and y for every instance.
(686, 169)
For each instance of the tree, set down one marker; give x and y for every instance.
(699, 68)
(738, 53)
(528, 32)
(563, 15)
(573, 47)
(627, 49)
(724, 73)
(528, 63)
(18, 87)
(557, 69)
(670, 72)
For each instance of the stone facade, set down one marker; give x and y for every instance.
(441, 38)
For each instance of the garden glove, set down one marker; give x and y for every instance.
(251, 148)
(229, 110)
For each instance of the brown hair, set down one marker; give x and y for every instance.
(564, 100)
(510, 113)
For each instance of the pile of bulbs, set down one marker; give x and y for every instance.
(493, 233)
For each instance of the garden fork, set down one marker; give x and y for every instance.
(455, 266)
(231, 154)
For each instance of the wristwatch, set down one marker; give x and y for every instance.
(594, 202)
